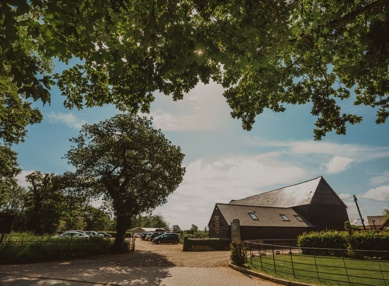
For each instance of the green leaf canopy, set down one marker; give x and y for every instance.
(128, 162)
(266, 54)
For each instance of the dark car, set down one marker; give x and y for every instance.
(167, 238)
(154, 235)
(144, 234)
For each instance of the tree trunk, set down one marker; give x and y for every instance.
(122, 223)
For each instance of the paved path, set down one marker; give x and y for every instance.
(43, 274)
(143, 268)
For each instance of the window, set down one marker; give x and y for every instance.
(253, 216)
(298, 217)
(284, 217)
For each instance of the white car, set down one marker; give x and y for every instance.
(103, 234)
(73, 233)
(92, 233)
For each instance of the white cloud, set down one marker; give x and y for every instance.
(381, 179)
(338, 164)
(379, 194)
(21, 178)
(224, 179)
(357, 152)
(344, 196)
(67, 119)
(202, 109)
(339, 157)
(191, 122)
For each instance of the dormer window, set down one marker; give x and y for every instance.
(298, 218)
(284, 217)
(253, 216)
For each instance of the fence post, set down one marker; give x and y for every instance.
(345, 268)
(274, 259)
(317, 270)
(291, 261)
(250, 246)
(382, 273)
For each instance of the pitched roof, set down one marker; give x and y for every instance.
(267, 216)
(290, 196)
(375, 220)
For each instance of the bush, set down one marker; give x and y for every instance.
(337, 243)
(369, 244)
(238, 254)
(32, 248)
(332, 243)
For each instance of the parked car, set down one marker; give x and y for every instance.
(92, 233)
(167, 238)
(144, 234)
(153, 235)
(103, 234)
(73, 233)
(136, 235)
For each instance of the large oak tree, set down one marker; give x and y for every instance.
(266, 54)
(129, 164)
(15, 115)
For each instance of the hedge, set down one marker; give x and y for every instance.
(205, 244)
(332, 243)
(373, 244)
(342, 243)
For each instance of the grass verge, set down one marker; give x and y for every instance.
(322, 270)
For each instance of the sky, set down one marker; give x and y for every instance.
(224, 162)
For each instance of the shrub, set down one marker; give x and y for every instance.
(205, 244)
(32, 248)
(324, 243)
(336, 243)
(238, 254)
(369, 244)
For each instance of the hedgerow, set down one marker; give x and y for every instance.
(344, 243)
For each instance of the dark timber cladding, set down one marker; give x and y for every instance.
(284, 213)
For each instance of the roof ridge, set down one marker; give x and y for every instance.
(306, 181)
(255, 206)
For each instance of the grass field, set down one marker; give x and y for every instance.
(322, 270)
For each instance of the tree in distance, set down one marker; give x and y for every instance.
(176, 228)
(266, 54)
(129, 164)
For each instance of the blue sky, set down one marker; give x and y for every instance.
(224, 162)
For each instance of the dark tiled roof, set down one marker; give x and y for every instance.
(267, 216)
(291, 196)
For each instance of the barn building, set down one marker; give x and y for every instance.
(283, 213)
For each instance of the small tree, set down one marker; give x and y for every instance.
(45, 203)
(176, 228)
(385, 214)
(194, 228)
(129, 163)
(96, 219)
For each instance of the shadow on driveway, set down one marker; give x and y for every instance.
(138, 268)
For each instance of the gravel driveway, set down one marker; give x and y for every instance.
(150, 264)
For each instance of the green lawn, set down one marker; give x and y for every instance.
(322, 270)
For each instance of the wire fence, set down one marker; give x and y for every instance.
(291, 261)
